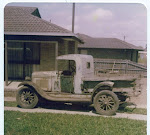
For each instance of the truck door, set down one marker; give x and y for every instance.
(67, 78)
(67, 83)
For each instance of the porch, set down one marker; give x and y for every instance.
(25, 54)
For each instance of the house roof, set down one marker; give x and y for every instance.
(108, 43)
(27, 21)
(16, 9)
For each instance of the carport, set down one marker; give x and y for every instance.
(59, 41)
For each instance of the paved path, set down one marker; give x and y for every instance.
(41, 110)
(9, 99)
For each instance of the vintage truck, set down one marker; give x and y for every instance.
(78, 83)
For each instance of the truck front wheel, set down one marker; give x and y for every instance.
(106, 102)
(26, 98)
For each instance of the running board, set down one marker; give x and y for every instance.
(67, 97)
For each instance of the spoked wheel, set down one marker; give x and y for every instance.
(26, 98)
(106, 102)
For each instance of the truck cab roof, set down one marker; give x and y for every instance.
(74, 57)
(84, 63)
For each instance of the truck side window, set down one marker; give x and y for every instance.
(72, 66)
(88, 65)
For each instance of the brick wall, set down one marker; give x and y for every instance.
(47, 57)
(62, 50)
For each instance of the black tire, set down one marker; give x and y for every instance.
(26, 98)
(106, 102)
(122, 98)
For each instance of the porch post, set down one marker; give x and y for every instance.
(76, 47)
(6, 65)
(56, 54)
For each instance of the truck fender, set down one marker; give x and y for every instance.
(34, 87)
(102, 86)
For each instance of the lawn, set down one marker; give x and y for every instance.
(18, 123)
(133, 110)
(10, 103)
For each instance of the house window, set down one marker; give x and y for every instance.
(21, 57)
(23, 53)
(71, 47)
(32, 53)
(15, 53)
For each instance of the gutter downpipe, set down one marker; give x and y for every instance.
(6, 64)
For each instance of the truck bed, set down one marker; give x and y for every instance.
(110, 77)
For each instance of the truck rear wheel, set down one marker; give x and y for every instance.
(26, 98)
(106, 102)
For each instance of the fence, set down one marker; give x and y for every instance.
(119, 66)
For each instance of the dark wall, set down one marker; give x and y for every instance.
(112, 54)
(134, 55)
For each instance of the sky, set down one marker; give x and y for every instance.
(120, 21)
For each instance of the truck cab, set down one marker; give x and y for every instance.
(83, 65)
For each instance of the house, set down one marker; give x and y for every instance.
(108, 48)
(143, 57)
(32, 44)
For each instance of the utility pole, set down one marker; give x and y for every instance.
(73, 17)
(124, 38)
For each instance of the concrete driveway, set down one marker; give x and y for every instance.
(90, 113)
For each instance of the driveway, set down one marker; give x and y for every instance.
(90, 113)
(141, 100)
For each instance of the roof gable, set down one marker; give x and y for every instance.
(15, 9)
(26, 19)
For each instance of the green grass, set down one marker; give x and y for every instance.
(10, 103)
(18, 123)
(125, 110)
(133, 110)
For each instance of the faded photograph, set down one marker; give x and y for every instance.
(75, 69)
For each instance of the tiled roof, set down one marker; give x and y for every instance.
(14, 9)
(21, 19)
(108, 43)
